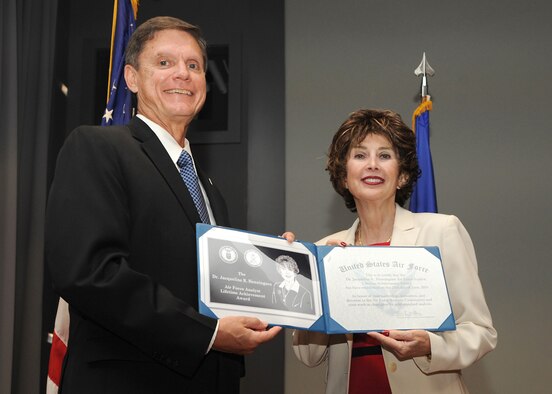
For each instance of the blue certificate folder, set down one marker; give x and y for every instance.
(321, 288)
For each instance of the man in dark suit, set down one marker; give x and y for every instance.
(120, 238)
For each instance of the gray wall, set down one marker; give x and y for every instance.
(490, 141)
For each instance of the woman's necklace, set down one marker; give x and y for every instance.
(358, 236)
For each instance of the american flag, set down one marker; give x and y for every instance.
(118, 111)
(119, 99)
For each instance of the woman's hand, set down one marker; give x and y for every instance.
(404, 344)
(290, 237)
(335, 242)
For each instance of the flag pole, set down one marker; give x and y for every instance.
(423, 198)
(424, 70)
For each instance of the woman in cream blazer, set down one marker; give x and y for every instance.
(438, 370)
(451, 351)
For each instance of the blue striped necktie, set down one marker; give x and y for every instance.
(189, 176)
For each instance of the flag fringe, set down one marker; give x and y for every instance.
(135, 4)
(425, 105)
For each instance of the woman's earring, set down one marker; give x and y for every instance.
(401, 183)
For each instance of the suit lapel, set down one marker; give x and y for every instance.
(405, 232)
(158, 155)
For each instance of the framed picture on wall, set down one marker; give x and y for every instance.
(219, 119)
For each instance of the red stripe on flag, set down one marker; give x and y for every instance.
(57, 354)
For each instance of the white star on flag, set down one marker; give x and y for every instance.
(108, 115)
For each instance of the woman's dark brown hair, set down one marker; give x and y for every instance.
(354, 130)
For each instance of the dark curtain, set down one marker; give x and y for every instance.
(27, 46)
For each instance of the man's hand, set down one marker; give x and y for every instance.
(242, 335)
(288, 236)
(404, 344)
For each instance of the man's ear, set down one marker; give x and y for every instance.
(131, 78)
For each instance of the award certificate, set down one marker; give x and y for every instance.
(321, 288)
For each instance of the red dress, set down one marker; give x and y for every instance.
(368, 374)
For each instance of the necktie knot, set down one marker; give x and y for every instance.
(189, 176)
(184, 160)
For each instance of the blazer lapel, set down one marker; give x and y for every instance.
(405, 232)
(158, 155)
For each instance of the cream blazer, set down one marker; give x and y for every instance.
(451, 351)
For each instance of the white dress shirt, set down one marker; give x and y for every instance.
(174, 150)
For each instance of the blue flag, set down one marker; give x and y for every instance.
(423, 197)
(119, 100)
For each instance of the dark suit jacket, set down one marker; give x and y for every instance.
(121, 248)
